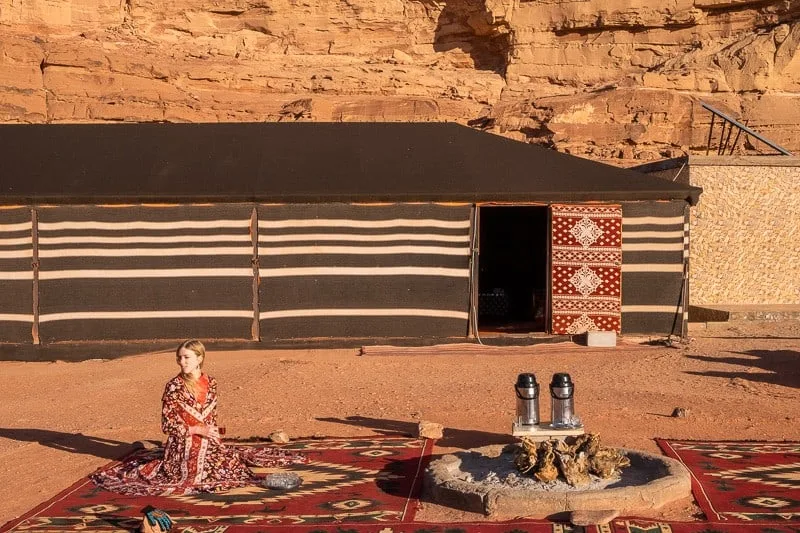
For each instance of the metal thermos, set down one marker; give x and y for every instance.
(562, 406)
(527, 400)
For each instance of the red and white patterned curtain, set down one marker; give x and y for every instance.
(586, 263)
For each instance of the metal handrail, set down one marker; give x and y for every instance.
(741, 127)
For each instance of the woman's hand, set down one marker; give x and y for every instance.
(209, 432)
(213, 434)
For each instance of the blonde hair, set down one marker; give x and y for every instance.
(197, 347)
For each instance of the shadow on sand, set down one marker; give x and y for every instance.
(71, 442)
(455, 438)
(76, 351)
(781, 366)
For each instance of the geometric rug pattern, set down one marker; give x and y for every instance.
(347, 480)
(586, 259)
(644, 526)
(742, 481)
(538, 526)
(517, 526)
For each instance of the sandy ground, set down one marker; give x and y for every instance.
(61, 420)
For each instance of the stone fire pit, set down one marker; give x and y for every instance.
(483, 480)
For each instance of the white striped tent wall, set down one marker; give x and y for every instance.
(342, 270)
(142, 272)
(654, 243)
(16, 275)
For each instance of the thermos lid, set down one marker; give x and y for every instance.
(526, 381)
(561, 380)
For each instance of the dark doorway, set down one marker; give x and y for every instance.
(512, 273)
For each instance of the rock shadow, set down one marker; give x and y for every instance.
(782, 366)
(71, 442)
(469, 26)
(402, 478)
(452, 437)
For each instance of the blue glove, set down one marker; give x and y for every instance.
(157, 516)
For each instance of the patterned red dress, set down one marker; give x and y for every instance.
(190, 463)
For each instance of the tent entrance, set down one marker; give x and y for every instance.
(512, 269)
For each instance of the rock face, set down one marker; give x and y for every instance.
(618, 80)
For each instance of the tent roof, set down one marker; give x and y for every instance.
(301, 162)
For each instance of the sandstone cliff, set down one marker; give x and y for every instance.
(618, 80)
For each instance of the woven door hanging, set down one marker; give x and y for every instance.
(586, 265)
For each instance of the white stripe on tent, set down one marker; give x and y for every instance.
(82, 239)
(11, 317)
(120, 226)
(634, 221)
(652, 234)
(652, 247)
(13, 242)
(294, 313)
(652, 267)
(362, 250)
(356, 237)
(25, 275)
(117, 315)
(12, 254)
(20, 226)
(651, 309)
(350, 223)
(146, 273)
(363, 271)
(46, 253)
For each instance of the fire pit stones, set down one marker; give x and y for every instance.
(650, 482)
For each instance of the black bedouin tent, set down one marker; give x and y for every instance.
(307, 230)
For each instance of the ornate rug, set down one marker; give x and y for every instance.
(371, 480)
(537, 526)
(586, 268)
(645, 526)
(743, 481)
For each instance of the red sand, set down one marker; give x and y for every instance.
(61, 420)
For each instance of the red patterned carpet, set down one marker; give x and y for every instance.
(538, 526)
(743, 481)
(644, 526)
(369, 481)
(370, 485)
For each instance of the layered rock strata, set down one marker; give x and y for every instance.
(618, 80)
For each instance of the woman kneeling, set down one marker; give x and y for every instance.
(194, 458)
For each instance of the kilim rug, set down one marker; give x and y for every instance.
(586, 268)
(366, 480)
(645, 526)
(742, 481)
(518, 526)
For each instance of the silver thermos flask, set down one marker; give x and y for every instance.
(527, 400)
(562, 406)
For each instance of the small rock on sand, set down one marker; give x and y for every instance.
(589, 518)
(279, 436)
(430, 430)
